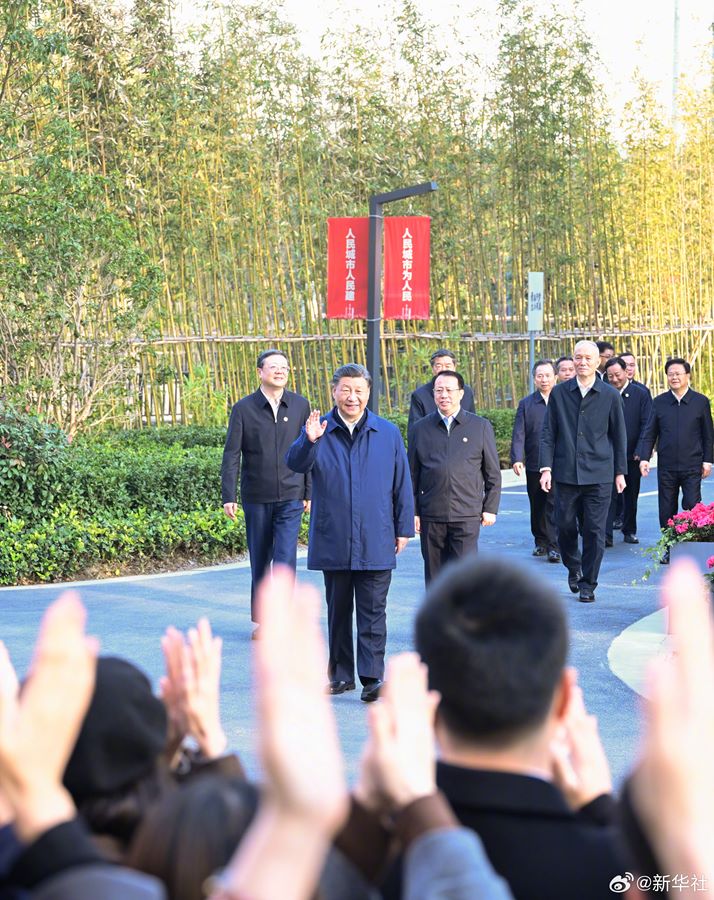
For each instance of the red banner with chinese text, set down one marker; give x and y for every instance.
(407, 242)
(347, 259)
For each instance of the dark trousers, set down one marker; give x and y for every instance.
(590, 504)
(668, 487)
(443, 541)
(272, 531)
(542, 513)
(367, 592)
(627, 500)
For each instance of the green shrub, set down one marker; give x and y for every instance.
(167, 436)
(67, 541)
(122, 478)
(31, 453)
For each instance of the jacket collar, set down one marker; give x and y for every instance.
(333, 422)
(482, 789)
(575, 386)
(262, 400)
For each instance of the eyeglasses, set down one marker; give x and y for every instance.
(446, 390)
(277, 368)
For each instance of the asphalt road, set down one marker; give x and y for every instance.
(129, 615)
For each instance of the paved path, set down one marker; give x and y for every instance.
(129, 615)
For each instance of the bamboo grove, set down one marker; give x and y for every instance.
(163, 204)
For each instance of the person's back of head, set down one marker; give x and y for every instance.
(495, 641)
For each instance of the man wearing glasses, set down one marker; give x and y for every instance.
(456, 476)
(422, 399)
(262, 427)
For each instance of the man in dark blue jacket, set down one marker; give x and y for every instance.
(362, 517)
(583, 450)
(636, 406)
(681, 425)
(525, 451)
(261, 428)
(456, 476)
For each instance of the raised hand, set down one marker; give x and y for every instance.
(314, 428)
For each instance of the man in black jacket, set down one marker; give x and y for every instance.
(681, 425)
(456, 476)
(583, 450)
(422, 401)
(525, 450)
(636, 406)
(261, 429)
(495, 641)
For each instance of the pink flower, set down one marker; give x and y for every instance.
(681, 529)
(710, 562)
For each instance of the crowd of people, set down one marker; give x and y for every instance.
(482, 774)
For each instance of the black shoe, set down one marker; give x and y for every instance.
(573, 579)
(609, 542)
(630, 539)
(256, 634)
(553, 556)
(617, 524)
(665, 558)
(370, 692)
(539, 551)
(586, 596)
(339, 687)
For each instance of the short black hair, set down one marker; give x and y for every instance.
(351, 370)
(449, 373)
(604, 345)
(495, 640)
(628, 353)
(677, 360)
(442, 352)
(561, 359)
(543, 362)
(613, 360)
(266, 353)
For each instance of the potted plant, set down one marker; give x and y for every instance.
(690, 533)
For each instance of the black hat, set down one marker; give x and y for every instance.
(122, 735)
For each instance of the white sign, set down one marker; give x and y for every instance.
(535, 301)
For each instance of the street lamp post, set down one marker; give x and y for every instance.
(374, 287)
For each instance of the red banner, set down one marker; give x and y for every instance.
(406, 267)
(347, 258)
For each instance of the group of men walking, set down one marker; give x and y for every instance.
(584, 438)
(585, 444)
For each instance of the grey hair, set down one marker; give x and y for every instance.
(351, 370)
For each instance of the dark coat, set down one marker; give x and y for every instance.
(636, 407)
(527, 427)
(456, 474)
(423, 403)
(361, 494)
(682, 431)
(584, 439)
(532, 837)
(255, 437)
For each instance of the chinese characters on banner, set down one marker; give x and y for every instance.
(406, 267)
(347, 257)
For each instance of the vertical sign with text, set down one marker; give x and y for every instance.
(347, 257)
(535, 301)
(406, 267)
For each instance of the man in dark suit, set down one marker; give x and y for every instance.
(606, 351)
(636, 406)
(631, 368)
(262, 427)
(583, 450)
(681, 425)
(525, 450)
(456, 476)
(422, 400)
(495, 642)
